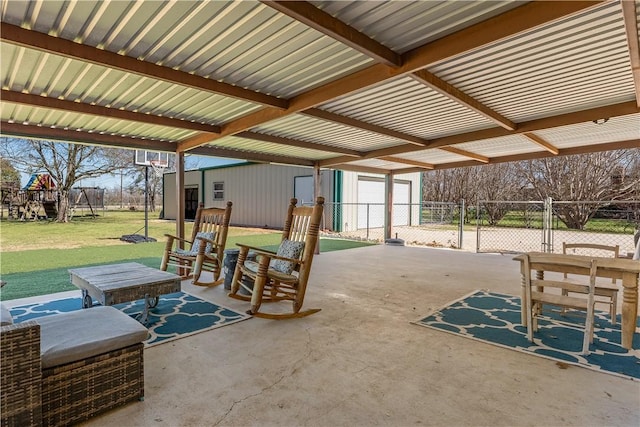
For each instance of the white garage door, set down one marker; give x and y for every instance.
(371, 203)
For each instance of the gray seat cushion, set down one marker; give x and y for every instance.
(77, 335)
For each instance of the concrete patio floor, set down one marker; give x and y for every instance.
(359, 362)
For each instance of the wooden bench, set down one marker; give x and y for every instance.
(610, 293)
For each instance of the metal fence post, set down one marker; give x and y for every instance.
(478, 219)
(367, 221)
(547, 225)
(461, 223)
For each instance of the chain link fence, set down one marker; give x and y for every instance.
(490, 226)
(419, 224)
(508, 226)
(613, 224)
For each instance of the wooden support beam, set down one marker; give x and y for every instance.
(97, 110)
(321, 21)
(363, 169)
(394, 159)
(73, 135)
(359, 124)
(82, 137)
(542, 143)
(508, 24)
(251, 156)
(576, 117)
(453, 93)
(583, 116)
(59, 46)
(620, 145)
(298, 143)
(466, 153)
(374, 154)
(631, 28)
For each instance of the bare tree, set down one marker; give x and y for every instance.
(9, 176)
(66, 163)
(498, 182)
(590, 179)
(487, 182)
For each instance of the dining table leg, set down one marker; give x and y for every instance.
(629, 308)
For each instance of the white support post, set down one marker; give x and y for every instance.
(388, 205)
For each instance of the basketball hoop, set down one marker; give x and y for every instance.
(158, 167)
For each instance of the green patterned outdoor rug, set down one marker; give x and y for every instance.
(495, 318)
(176, 316)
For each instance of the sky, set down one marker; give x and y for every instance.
(192, 162)
(113, 181)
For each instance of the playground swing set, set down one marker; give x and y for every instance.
(38, 200)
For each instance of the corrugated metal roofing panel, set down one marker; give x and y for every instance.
(403, 25)
(567, 65)
(503, 146)
(243, 43)
(377, 163)
(94, 84)
(408, 106)
(572, 64)
(15, 113)
(250, 145)
(311, 129)
(434, 156)
(621, 128)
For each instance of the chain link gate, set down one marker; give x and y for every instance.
(512, 226)
(527, 226)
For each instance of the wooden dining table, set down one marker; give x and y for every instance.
(626, 270)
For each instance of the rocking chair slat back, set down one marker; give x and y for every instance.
(207, 220)
(271, 285)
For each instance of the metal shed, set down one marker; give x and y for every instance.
(260, 194)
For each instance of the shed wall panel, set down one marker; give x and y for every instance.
(191, 180)
(260, 193)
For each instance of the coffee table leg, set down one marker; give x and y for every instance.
(149, 302)
(153, 302)
(87, 301)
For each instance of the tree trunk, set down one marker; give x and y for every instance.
(63, 206)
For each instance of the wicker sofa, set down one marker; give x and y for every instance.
(65, 368)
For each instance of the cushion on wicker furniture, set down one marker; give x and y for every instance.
(80, 334)
(5, 316)
(288, 249)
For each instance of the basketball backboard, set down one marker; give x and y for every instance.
(151, 158)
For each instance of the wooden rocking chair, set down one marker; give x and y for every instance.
(281, 275)
(206, 247)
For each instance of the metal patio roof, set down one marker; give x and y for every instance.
(396, 86)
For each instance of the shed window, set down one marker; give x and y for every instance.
(218, 191)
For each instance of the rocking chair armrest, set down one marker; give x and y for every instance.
(171, 238)
(259, 251)
(203, 246)
(272, 255)
(206, 240)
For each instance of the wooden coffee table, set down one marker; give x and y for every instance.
(117, 283)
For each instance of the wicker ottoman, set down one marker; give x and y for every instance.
(88, 361)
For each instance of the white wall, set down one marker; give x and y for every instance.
(350, 198)
(191, 179)
(260, 192)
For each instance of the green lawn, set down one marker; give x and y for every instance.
(35, 256)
